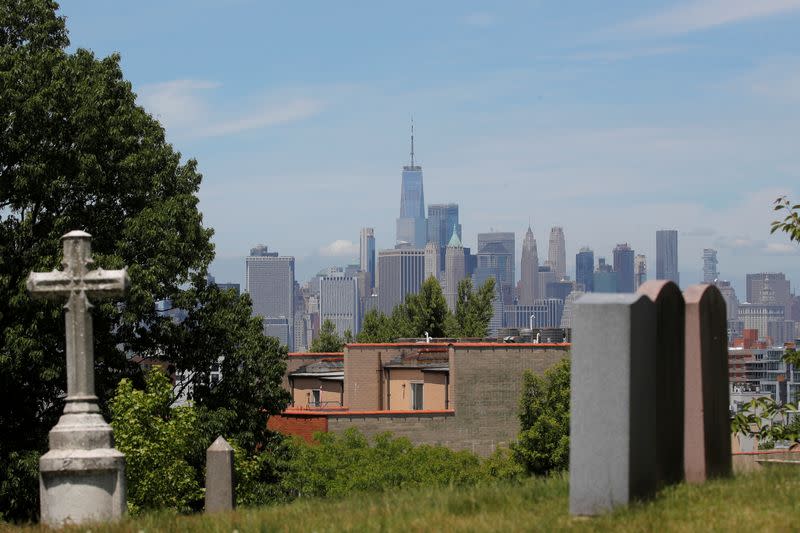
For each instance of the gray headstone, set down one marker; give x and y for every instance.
(219, 477)
(612, 422)
(707, 451)
(82, 477)
(670, 323)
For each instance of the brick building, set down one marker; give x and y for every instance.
(460, 395)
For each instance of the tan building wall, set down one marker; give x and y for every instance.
(485, 386)
(330, 391)
(435, 397)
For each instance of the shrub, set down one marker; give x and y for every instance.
(543, 444)
(156, 440)
(346, 463)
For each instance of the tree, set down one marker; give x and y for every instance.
(427, 310)
(791, 221)
(377, 327)
(328, 340)
(76, 152)
(543, 444)
(474, 309)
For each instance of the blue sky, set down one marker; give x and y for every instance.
(612, 121)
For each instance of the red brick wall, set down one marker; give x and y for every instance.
(304, 426)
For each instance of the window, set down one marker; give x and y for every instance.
(315, 398)
(416, 396)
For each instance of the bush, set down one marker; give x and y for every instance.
(156, 440)
(346, 463)
(543, 444)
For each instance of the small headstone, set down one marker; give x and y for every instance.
(82, 477)
(219, 477)
(707, 450)
(613, 401)
(670, 323)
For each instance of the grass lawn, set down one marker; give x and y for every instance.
(763, 501)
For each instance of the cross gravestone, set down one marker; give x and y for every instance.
(612, 456)
(670, 356)
(82, 477)
(707, 439)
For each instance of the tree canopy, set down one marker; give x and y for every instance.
(77, 152)
(328, 339)
(427, 311)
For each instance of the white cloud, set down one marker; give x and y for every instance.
(479, 19)
(339, 248)
(185, 107)
(777, 79)
(704, 14)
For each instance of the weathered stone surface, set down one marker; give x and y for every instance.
(707, 450)
(613, 401)
(82, 477)
(219, 477)
(670, 356)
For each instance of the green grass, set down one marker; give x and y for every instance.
(763, 501)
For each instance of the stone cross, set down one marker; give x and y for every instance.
(82, 476)
(612, 456)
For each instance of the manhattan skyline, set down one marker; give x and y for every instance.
(612, 124)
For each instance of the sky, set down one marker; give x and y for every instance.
(611, 120)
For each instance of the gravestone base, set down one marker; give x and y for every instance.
(82, 477)
(77, 486)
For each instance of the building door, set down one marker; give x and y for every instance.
(416, 396)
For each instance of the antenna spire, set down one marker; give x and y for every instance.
(412, 141)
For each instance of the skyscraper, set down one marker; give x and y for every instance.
(639, 271)
(584, 268)
(778, 289)
(442, 223)
(496, 254)
(400, 272)
(605, 279)
(367, 255)
(411, 226)
(339, 302)
(529, 269)
(667, 255)
(557, 252)
(455, 269)
(709, 265)
(623, 266)
(270, 283)
(432, 260)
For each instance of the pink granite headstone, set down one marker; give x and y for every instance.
(707, 440)
(670, 323)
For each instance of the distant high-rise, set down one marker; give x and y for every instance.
(455, 269)
(270, 283)
(442, 223)
(709, 265)
(639, 270)
(339, 302)
(584, 269)
(432, 260)
(667, 255)
(411, 226)
(367, 255)
(557, 252)
(605, 279)
(529, 270)
(496, 252)
(778, 289)
(400, 272)
(623, 266)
